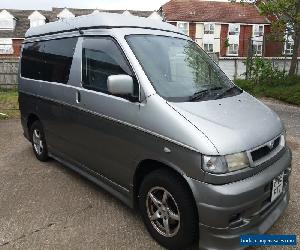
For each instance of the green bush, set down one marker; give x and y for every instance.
(260, 70)
(288, 90)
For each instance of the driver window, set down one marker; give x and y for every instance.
(101, 57)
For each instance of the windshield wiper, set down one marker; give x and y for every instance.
(227, 91)
(202, 93)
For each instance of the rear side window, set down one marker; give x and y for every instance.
(101, 57)
(48, 60)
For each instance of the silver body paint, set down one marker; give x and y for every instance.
(106, 138)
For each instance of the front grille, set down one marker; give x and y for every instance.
(265, 150)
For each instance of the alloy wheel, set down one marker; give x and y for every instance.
(37, 141)
(163, 211)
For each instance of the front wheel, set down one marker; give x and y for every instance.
(38, 141)
(168, 210)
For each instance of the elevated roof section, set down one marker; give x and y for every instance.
(99, 20)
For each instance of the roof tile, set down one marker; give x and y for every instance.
(212, 11)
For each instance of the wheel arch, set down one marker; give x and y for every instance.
(31, 118)
(147, 166)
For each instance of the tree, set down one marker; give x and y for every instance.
(286, 21)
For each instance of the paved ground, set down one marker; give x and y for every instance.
(47, 206)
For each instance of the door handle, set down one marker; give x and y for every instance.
(78, 97)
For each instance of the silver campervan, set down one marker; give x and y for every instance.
(138, 108)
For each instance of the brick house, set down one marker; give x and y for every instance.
(228, 29)
(15, 23)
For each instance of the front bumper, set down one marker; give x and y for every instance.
(242, 207)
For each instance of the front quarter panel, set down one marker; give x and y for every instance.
(167, 137)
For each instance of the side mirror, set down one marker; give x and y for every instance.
(120, 85)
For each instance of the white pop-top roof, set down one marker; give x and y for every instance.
(107, 20)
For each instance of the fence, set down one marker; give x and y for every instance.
(235, 67)
(8, 73)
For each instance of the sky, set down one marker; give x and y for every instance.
(94, 4)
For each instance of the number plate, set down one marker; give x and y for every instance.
(277, 187)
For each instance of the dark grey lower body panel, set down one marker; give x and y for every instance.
(111, 187)
(25, 128)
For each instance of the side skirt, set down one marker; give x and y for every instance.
(116, 190)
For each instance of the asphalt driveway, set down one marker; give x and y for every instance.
(47, 206)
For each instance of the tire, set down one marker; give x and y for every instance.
(182, 216)
(38, 141)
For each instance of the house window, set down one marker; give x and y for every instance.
(36, 19)
(6, 24)
(183, 27)
(288, 47)
(209, 28)
(257, 49)
(233, 29)
(208, 47)
(233, 49)
(258, 30)
(6, 46)
(37, 22)
(289, 29)
(289, 41)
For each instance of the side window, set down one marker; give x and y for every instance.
(48, 60)
(101, 57)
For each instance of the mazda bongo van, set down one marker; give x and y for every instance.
(138, 108)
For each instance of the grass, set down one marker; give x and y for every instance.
(9, 107)
(287, 91)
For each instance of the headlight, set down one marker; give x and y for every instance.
(237, 161)
(225, 164)
(214, 164)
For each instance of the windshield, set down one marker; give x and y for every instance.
(179, 69)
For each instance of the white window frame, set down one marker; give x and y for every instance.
(288, 51)
(234, 28)
(185, 31)
(255, 49)
(6, 46)
(289, 41)
(208, 45)
(237, 50)
(36, 19)
(209, 28)
(37, 22)
(256, 30)
(7, 24)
